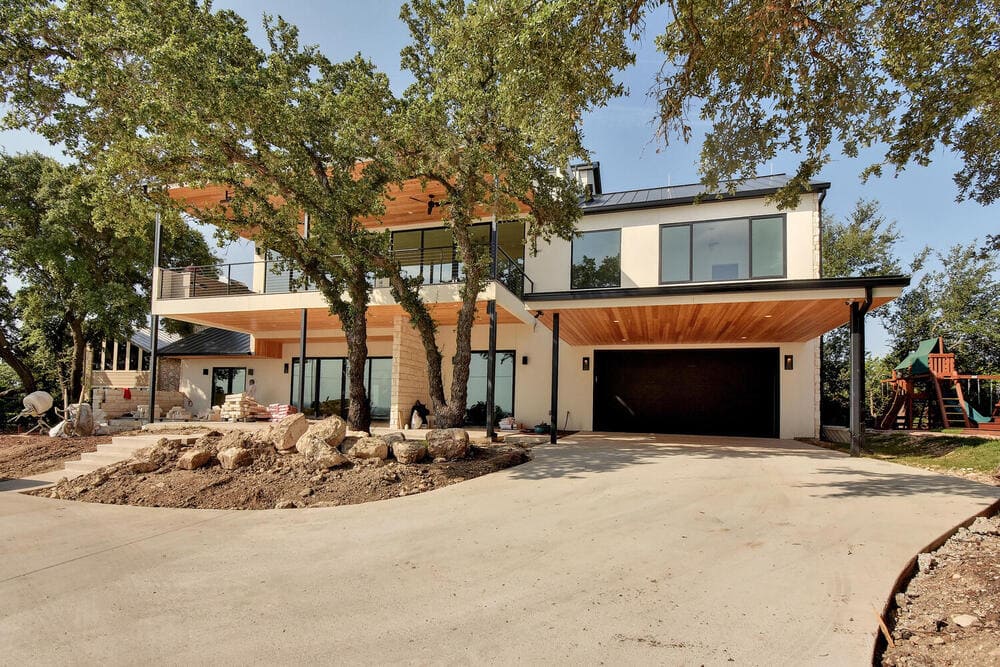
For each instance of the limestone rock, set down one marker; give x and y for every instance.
(194, 458)
(285, 433)
(148, 459)
(964, 620)
(392, 437)
(369, 448)
(330, 459)
(285, 505)
(449, 444)
(409, 451)
(234, 457)
(328, 433)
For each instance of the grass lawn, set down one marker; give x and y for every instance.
(938, 451)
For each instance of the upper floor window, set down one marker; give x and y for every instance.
(597, 260)
(738, 249)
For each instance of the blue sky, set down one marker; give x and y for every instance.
(621, 135)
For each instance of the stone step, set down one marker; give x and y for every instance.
(122, 448)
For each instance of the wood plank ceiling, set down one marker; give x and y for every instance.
(746, 322)
(271, 323)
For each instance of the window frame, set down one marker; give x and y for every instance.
(513, 382)
(749, 220)
(572, 245)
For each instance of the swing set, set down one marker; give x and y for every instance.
(927, 392)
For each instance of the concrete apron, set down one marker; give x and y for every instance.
(613, 547)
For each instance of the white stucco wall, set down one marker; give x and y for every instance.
(640, 240)
(532, 389)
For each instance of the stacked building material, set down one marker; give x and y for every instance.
(240, 407)
(279, 411)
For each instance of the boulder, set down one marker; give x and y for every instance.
(193, 458)
(148, 459)
(449, 444)
(369, 448)
(328, 433)
(392, 437)
(409, 451)
(234, 457)
(233, 438)
(320, 442)
(285, 433)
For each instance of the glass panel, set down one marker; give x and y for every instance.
(120, 356)
(331, 385)
(768, 247)
(310, 384)
(380, 387)
(145, 360)
(227, 381)
(675, 254)
(406, 245)
(438, 256)
(503, 393)
(133, 358)
(510, 238)
(95, 363)
(109, 355)
(721, 250)
(597, 260)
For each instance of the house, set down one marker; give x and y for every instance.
(119, 365)
(665, 314)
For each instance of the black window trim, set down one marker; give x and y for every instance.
(750, 219)
(572, 245)
(344, 398)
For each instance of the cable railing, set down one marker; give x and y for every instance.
(436, 266)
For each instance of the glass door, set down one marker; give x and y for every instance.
(227, 380)
(330, 388)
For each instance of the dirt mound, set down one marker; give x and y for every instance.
(283, 481)
(26, 455)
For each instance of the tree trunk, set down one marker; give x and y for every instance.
(13, 358)
(356, 331)
(79, 355)
(453, 415)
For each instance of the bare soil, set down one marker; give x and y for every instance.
(949, 613)
(280, 481)
(26, 455)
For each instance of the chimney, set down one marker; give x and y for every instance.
(589, 176)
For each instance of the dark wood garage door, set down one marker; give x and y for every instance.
(711, 392)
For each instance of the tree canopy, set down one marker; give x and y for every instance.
(818, 78)
(79, 280)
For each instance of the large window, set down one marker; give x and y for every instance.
(328, 387)
(503, 388)
(431, 253)
(597, 260)
(717, 250)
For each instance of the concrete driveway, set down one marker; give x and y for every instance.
(605, 548)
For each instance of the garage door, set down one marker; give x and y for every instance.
(712, 392)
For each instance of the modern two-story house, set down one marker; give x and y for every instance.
(668, 313)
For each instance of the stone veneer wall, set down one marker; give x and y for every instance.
(409, 372)
(168, 375)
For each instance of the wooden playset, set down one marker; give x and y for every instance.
(928, 393)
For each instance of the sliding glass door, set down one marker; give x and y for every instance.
(503, 388)
(328, 386)
(229, 380)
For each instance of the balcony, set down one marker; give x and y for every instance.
(436, 266)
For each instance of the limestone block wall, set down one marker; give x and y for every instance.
(409, 372)
(112, 402)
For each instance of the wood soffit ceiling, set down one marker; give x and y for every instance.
(404, 206)
(269, 322)
(748, 322)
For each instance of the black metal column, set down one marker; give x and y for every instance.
(491, 372)
(154, 329)
(857, 396)
(303, 332)
(554, 409)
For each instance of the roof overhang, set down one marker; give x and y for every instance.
(736, 313)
